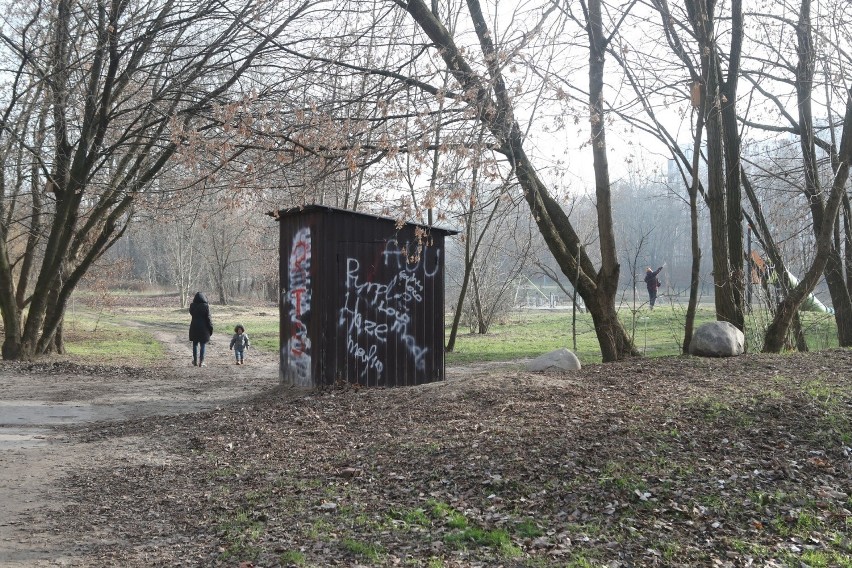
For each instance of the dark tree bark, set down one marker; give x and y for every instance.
(102, 98)
(847, 239)
(732, 151)
(834, 272)
(495, 110)
(723, 195)
(824, 213)
(695, 268)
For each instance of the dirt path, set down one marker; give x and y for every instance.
(43, 404)
(41, 401)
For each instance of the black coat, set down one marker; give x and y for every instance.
(201, 327)
(651, 279)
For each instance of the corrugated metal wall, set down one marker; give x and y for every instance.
(362, 301)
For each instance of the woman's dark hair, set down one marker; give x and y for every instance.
(238, 328)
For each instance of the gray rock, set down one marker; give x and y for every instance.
(717, 339)
(559, 360)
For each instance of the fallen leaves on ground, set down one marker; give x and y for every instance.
(647, 462)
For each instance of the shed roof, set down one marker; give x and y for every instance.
(294, 211)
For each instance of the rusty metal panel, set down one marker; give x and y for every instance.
(362, 300)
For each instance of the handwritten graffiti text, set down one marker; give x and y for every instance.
(377, 312)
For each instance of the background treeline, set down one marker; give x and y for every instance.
(580, 141)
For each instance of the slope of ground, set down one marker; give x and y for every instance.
(665, 462)
(38, 402)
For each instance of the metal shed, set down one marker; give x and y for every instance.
(361, 299)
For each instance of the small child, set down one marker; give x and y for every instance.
(239, 343)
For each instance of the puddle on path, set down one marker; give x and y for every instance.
(43, 413)
(22, 422)
(22, 438)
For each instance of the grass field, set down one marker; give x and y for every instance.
(657, 333)
(125, 334)
(678, 461)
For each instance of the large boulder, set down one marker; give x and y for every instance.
(559, 360)
(717, 339)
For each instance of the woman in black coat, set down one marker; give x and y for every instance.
(200, 329)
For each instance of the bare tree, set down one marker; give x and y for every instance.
(483, 87)
(482, 208)
(184, 261)
(717, 133)
(103, 97)
(824, 213)
(811, 65)
(504, 256)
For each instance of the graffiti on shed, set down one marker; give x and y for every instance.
(299, 302)
(375, 312)
(362, 299)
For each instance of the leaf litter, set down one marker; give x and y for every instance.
(646, 462)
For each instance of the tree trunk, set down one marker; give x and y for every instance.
(561, 239)
(834, 276)
(733, 191)
(847, 240)
(775, 334)
(477, 305)
(724, 293)
(701, 12)
(34, 236)
(57, 343)
(598, 289)
(799, 334)
(609, 272)
(694, 187)
(8, 306)
(615, 343)
(451, 343)
(840, 297)
(220, 288)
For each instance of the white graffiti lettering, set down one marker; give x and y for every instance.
(366, 356)
(411, 257)
(404, 286)
(358, 324)
(379, 313)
